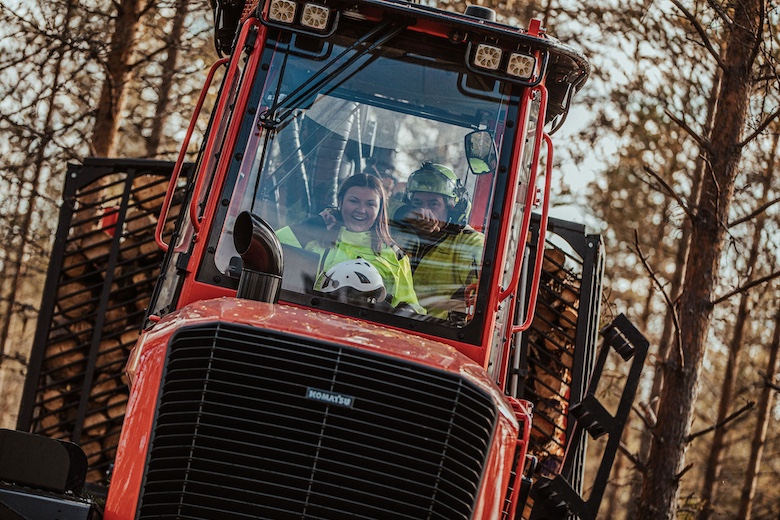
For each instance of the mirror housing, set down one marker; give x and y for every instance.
(481, 152)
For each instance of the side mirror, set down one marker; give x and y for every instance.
(481, 152)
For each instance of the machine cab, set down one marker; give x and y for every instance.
(315, 96)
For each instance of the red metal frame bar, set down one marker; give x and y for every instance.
(529, 315)
(166, 206)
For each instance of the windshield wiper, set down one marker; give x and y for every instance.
(299, 160)
(283, 109)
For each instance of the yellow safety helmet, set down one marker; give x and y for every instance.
(434, 178)
(437, 178)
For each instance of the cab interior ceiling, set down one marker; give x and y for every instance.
(445, 110)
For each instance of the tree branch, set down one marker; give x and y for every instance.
(669, 190)
(705, 40)
(703, 143)
(773, 386)
(679, 476)
(747, 287)
(764, 124)
(749, 405)
(754, 213)
(648, 419)
(768, 381)
(758, 40)
(669, 304)
(16, 356)
(723, 14)
(633, 458)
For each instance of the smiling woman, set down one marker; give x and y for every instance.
(359, 208)
(357, 228)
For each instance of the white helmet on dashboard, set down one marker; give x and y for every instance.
(353, 281)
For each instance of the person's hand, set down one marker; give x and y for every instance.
(423, 220)
(329, 218)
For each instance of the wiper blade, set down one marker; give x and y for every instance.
(298, 160)
(373, 39)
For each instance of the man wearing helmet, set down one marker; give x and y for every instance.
(446, 252)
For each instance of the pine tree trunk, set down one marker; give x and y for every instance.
(762, 425)
(675, 288)
(118, 67)
(714, 463)
(681, 255)
(172, 41)
(660, 488)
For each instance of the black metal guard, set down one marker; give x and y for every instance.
(103, 267)
(558, 352)
(555, 497)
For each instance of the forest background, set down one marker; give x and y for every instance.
(671, 154)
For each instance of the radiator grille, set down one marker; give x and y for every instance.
(236, 437)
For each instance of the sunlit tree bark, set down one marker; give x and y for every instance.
(762, 425)
(741, 322)
(118, 66)
(666, 463)
(172, 44)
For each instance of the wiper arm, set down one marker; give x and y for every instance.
(286, 107)
(291, 169)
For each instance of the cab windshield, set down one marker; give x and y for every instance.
(356, 158)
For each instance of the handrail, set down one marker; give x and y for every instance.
(529, 316)
(523, 412)
(234, 101)
(230, 76)
(166, 206)
(526, 224)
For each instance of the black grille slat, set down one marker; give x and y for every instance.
(233, 434)
(396, 413)
(393, 494)
(369, 415)
(236, 436)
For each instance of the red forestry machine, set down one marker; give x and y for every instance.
(251, 393)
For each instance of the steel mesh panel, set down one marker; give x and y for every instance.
(560, 346)
(103, 269)
(236, 436)
(551, 355)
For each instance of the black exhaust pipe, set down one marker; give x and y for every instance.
(261, 259)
